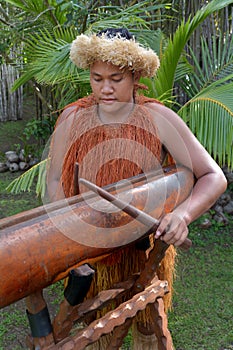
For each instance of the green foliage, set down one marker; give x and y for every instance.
(29, 150)
(11, 204)
(134, 17)
(49, 63)
(209, 110)
(47, 55)
(210, 116)
(48, 12)
(25, 181)
(39, 129)
(164, 81)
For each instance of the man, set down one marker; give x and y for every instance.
(114, 134)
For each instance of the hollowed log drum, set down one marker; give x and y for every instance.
(40, 246)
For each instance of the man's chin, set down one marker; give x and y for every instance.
(114, 104)
(110, 106)
(116, 111)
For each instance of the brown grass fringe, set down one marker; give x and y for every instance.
(86, 133)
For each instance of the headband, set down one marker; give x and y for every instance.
(85, 50)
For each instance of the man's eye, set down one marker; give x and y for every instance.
(117, 80)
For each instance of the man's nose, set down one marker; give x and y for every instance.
(107, 87)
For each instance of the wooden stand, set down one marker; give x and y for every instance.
(144, 289)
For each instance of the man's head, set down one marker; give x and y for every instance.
(115, 46)
(111, 85)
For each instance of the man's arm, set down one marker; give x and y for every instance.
(210, 180)
(58, 149)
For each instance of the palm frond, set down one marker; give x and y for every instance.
(66, 92)
(166, 73)
(29, 5)
(134, 17)
(154, 39)
(51, 11)
(215, 68)
(67, 34)
(25, 181)
(49, 61)
(216, 63)
(210, 117)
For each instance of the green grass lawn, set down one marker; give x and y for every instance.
(202, 316)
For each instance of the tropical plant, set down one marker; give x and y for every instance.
(174, 68)
(209, 85)
(25, 181)
(209, 110)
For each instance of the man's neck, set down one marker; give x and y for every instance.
(117, 113)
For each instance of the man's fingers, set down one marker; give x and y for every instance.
(172, 230)
(177, 238)
(164, 227)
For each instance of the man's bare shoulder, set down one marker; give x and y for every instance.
(68, 112)
(159, 108)
(162, 114)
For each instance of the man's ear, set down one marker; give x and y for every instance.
(137, 76)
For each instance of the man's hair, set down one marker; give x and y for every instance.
(111, 33)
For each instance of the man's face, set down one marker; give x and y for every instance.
(110, 84)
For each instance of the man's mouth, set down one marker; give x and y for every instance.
(107, 100)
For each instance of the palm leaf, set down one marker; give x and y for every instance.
(25, 181)
(210, 117)
(166, 74)
(209, 86)
(49, 11)
(30, 6)
(216, 64)
(134, 17)
(49, 61)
